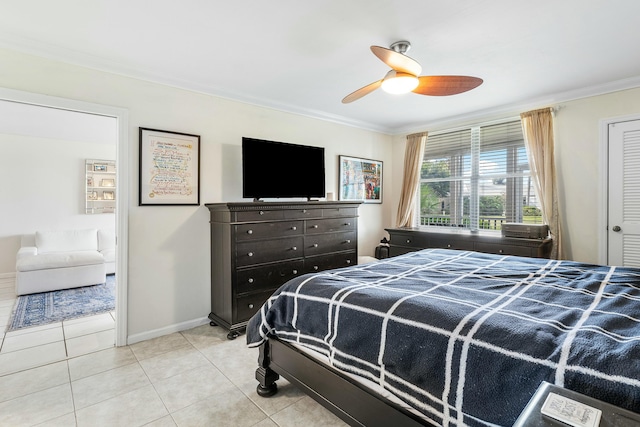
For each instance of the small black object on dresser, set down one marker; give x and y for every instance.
(382, 250)
(403, 240)
(258, 246)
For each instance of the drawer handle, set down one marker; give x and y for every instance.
(501, 251)
(314, 226)
(448, 246)
(304, 211)
(249, 231)
(250, 254)
(347, 241)
(348, 261)
(408, 240)
(347, 223)
(295, 271)
(315, 245)
(294, 228)
(250, 280)
(294, 248)
(250, 305)
(261, 212)
(315, 267)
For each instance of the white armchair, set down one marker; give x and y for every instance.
(52, 260)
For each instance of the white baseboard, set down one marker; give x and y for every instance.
(178, 327)
(8, 275)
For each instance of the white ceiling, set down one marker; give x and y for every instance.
(305, 56)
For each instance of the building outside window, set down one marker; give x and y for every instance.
(477, 178)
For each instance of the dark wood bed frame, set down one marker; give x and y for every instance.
(354, 403)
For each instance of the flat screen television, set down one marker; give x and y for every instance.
(272, 169)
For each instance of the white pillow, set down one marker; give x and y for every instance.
(67, 240)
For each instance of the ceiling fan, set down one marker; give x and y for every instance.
(403, 76)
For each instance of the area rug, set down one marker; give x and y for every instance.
(49, 307)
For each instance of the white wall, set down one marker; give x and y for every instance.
(169, 246)
(42, 187)
(578, 151)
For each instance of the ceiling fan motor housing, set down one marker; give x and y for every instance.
(401, 46)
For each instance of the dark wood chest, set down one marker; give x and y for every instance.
(258, 246)
(403, 240)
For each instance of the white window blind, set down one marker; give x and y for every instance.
(477, 178)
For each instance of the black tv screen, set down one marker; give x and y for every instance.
(273, 169)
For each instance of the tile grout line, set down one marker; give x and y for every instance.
(232, 382)
(73, 399)
(155, 390)
(64, 340)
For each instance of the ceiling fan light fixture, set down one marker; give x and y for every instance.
(397, 82)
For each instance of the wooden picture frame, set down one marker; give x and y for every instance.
(169, 168)
(360, 179)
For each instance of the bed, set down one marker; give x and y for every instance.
(446, 337)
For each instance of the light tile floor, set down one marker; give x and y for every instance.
(70, 374)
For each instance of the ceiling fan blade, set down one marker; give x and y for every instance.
(396, 60)
(354, 96)
(446, 85)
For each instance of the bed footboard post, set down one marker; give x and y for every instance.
(266, 377)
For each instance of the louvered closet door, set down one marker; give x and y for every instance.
(624, 194)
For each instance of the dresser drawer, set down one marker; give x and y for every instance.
(334, 212)
(265, 230)
(318, 244)
(326, 262)
(268, 277)
(248, 305)
(492, 248)
(264, 215)
(410, 240)
(461, 244)
(302, 213)
(249, 253)
(330, 225)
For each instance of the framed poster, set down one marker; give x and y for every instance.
(360, 179)
(169, 168)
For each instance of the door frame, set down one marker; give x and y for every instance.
(122, 186)
(603, 202)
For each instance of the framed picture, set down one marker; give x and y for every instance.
(360, 179)
(169, 168)
(99, 168)
(108, 195)
(107, 183)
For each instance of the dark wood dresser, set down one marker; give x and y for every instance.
(403, 240)
(257, 246)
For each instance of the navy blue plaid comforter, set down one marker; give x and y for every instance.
(466, 338)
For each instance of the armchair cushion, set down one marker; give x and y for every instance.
(58, 260)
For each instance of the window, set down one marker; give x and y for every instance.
(477, 178)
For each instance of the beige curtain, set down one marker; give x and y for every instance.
(413, 154)
(537, 127)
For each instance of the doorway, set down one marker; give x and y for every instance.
(121, 225)
(623, 192)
